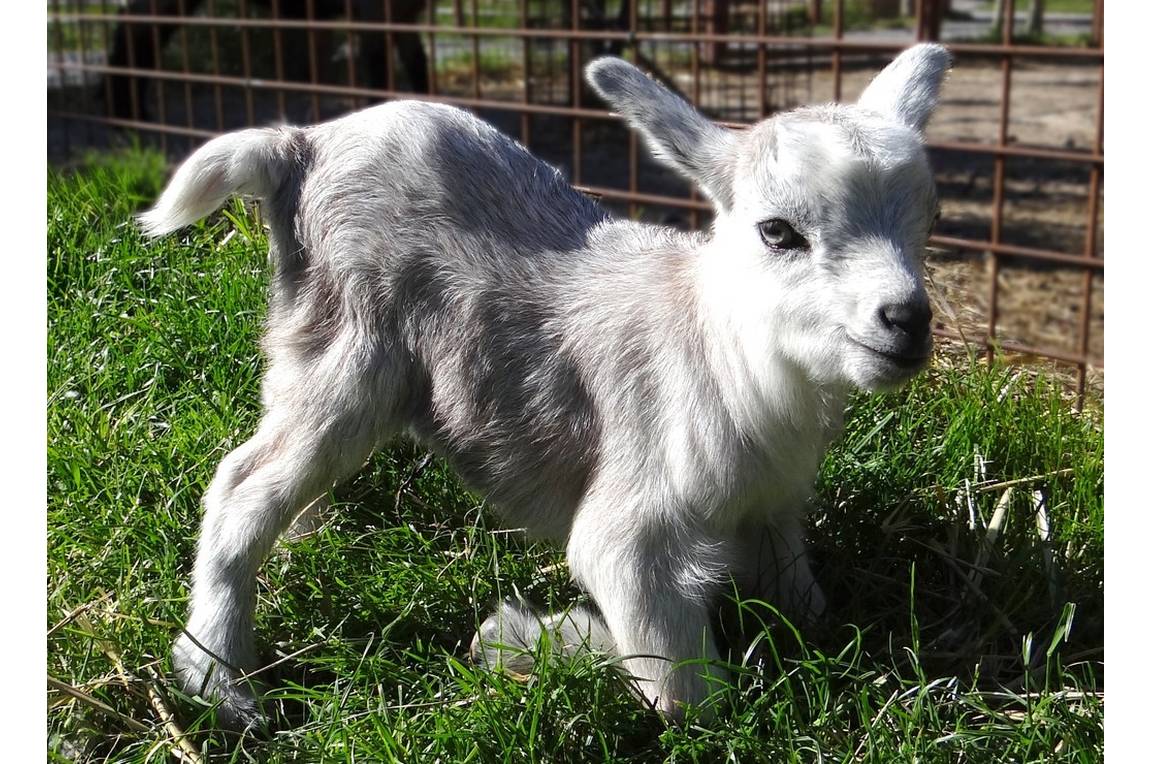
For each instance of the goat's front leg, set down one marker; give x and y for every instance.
(654, 580)
(773, 566)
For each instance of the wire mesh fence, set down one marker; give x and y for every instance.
(1017, 260)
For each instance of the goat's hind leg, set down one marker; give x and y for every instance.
(316, 430)
(773, 566)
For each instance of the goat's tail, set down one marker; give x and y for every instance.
(254, 162)
(509, 638)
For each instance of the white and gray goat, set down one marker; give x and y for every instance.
(658, 401)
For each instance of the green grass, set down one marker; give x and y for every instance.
(1054, 6)
(153, 376)
(994, 35)
(497, 63)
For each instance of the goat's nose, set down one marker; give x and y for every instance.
(913, 318)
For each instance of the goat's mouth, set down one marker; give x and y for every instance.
(903, 361)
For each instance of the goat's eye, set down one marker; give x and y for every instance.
(779, 234)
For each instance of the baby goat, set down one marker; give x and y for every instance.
(660, 401)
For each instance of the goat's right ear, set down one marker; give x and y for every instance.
(908, 88)
(677, 134)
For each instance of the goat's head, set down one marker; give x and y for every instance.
(822, 214)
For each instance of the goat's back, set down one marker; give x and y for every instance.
(509, 303)
(409, 176)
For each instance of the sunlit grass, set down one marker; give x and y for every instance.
(944, 641)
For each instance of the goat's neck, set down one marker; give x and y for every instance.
(767, 394)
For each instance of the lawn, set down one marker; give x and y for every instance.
(958, 531)
(1054, 6)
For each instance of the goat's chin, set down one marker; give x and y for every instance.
(877, 373)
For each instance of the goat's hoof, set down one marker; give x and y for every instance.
(242, 712)
(813, 606)
(236, 700)
(507, 641)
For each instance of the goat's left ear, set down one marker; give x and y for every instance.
(907, 89)
(678, 135)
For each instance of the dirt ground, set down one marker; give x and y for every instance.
(1046, 206)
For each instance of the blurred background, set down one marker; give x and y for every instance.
(1017, 259)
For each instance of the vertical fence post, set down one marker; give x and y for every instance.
(998, 181)
(526, 92)
(158, 84)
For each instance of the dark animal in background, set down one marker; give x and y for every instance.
(140, 46)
